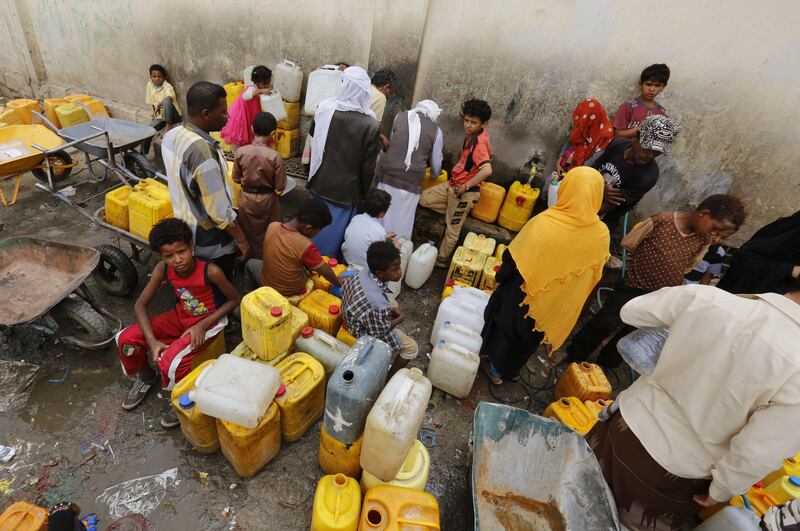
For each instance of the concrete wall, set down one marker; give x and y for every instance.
(735, 86)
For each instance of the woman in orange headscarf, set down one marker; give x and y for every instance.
(591, 132)
(548, 271)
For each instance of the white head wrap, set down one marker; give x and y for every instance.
(430, 109)
(352, 95)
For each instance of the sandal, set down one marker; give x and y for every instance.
(491, 373)
(138, 393)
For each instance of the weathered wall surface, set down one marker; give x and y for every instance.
(734, 89)
(735, 84)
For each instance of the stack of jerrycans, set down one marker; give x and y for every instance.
(582, 392)
(352, 390)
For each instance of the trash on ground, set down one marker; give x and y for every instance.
(140, 495)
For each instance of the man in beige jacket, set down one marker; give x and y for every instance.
(719, 411)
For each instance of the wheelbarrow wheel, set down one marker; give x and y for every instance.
(138, 165)
(61, 163)
(78, 319)
(115, 272)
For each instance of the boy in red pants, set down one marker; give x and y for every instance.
(174, 338)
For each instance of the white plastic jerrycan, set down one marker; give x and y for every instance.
(322, 84)
(236, 389)
(273, 104)
(287, 78)
(393, 423)
(461, 335)
(420, 266)
(247, 75)
(453, 368)
(457, 311)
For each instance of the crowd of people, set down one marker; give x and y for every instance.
(707, 423)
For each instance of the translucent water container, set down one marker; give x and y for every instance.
(322, 84)
(336, 457)
(337, 504)
(784, 489)
(480, 243)
(273, 104)
(453, 368)
(50, 105)
(304, 399)
(216, 347)
(406, 250)
(790, 467)
(287, 77)
(247, 75)
(250, 449)
(199, 429)
(324, 311)
(428, 181)
(70, 114)
(731, 519)
(323, 347)
(420, 265)
(24, 516)
(236, 390)
(572, 412)
(584, 380)
(472, 295)
(148, 203)
(596, 406)
(518, 206)
(461, 335)
(345, 336)
(498, 253)
(490, 269)
(299, 322)
(457, 311)
(552, 192)
(413, 474)
(353, 388)
(392, 508)
(321, 282)
(266, 322)
(287, 142)
(488, 206)
(467, 266)
(232, 91)
(25, 108)
(393, 423)
(116, 204)
(292, 120)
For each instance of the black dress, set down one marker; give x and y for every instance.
(765, 263)
(509, 339)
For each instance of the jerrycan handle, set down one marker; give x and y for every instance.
(290, 63)
(404, 392)
(364, 351)
(201, 376)
(328, 341)
(329, 67)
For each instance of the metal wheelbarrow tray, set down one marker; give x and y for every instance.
(534, 473)
(38, 275)
(122, 134)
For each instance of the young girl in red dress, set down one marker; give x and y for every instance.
(239, 129)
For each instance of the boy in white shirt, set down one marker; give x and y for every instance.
(366, 228)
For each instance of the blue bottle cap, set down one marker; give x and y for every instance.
(794, 480)
(185, 402)
(447, 323)
(442, 342)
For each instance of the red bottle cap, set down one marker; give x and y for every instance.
(333, 262)
(281, 390)
(450, 282)
(496, 268)
(303, 291)
(333, 309)
(276, 311)
(307, 332)
(759, 484)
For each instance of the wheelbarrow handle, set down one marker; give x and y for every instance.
(66, 200)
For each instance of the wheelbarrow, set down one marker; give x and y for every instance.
(530, 472)
(115, 148)
(42, 286)
(33, 148)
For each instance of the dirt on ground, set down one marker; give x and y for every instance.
(74, 442)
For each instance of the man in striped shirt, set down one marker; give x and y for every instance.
(196, 168)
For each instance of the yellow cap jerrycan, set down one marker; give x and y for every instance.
(518, 206)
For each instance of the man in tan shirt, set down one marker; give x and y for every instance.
(718, 413)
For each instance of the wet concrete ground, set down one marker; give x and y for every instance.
(74, 441)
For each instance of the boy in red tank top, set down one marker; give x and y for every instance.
(174, 338)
